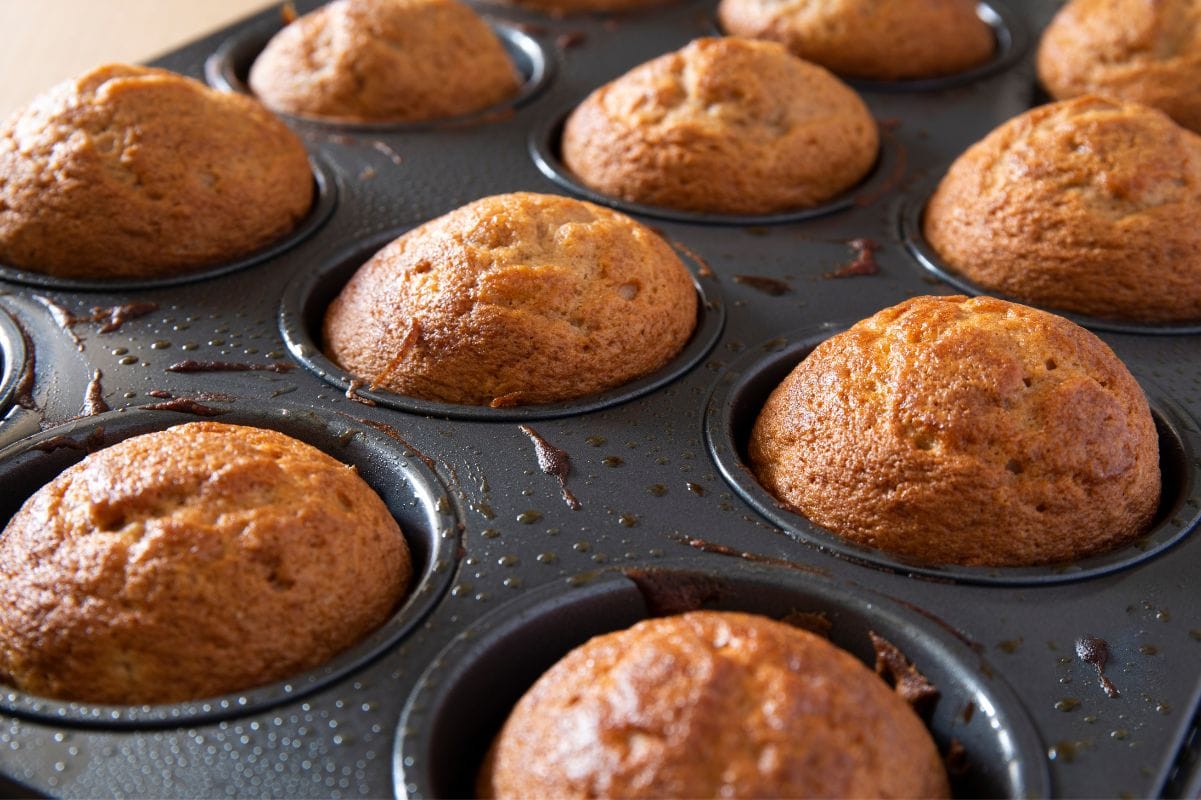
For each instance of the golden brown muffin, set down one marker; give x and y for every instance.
(728, 126)
(1088, 205)
(712, 704)
(878, 39)
(131, 172)
(192, 562)
(1146, 52)
(514, 299)
(384, 61)
(964, 431)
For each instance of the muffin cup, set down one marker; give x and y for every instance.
(308, 296)
(741, 392)
(325, 197)
(410, 489)
(912, 213)
(228, 69)
(14, 360)
(545, 150)
(464, 696)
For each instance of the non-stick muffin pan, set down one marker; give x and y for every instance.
(1071, 680)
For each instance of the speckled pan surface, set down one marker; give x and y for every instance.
(648, 468)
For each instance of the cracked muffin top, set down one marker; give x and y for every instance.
(950, 430)
(192, 562)
(132, 172)
(1088, 205)
(877, 39)
(514, 299)
(384, 61)
(712, 704)
(1145, 52)
(724, 125)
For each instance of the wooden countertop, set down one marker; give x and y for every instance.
(47, 41)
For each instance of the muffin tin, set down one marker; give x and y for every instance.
(668, 518)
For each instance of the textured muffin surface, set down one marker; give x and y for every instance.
(878, 39)
(1088, 205)
(712, 704)
(975, 432)
(725, 126)
(384, 61)
(193, 562)
(1146, 52)
(131, 172)
(511, 300)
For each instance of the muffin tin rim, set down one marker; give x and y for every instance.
(221, 73)
(920, 251)
(440, 534)
(14, 356)
(411, 744)
(1173, 425)
(304, 347)
(326, 183)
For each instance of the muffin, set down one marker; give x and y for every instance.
(877, 39)
(712, 704)
(192, 562)
(131, 172)
(964, 431)
(1088, 205)
(1134, 50)
(514, 299)
(384, 61)
(726, 126)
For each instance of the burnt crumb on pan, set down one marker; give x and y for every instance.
(184, 405)
(969, 711)
(93, 397)
(23, 391)
(955, 759)
(816, 622)
(93, 442)
(367, 173)
(704, 270)
(570, 40)
(1095, 650)
(386, 149)
(161, 394)
(532, 28)
(902, 675)
(352, 393)
(666, 593)
(553, 461)
(384, 427)
(288, 13)
(114, 317)
(772, 287)
(864, 262)
(189, 365)
(756, 558)
(62, 318)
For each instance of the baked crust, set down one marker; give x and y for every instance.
(384, 61)
(712, 704)
(132, 172)
(1145, 52)
(964, 431)
(877, 39)
(191, 562)
(725, 125)
(1087, 205)
(514, 299)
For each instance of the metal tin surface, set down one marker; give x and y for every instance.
(514, 574)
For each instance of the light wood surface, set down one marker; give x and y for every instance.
(47, 41)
